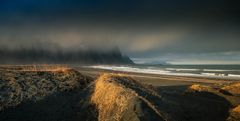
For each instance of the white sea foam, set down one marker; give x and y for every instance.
(215, 74)
(234, 75)
(208, 74)
(167, 71)
(218, 70)
(132, 69)
(208, 70)
(182, 69)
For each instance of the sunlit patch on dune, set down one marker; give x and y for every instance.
(37, 67)
(237, 109)
(118, 97)
(233, 88)
(200, 88)
(46, 68)
(111, 99)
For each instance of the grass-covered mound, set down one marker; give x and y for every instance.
(230, 92)
(17, 86)
(233, 88)
(120, 98)
(63, 94)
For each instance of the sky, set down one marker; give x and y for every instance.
(148, 31)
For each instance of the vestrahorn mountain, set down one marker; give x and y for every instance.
(38, 56)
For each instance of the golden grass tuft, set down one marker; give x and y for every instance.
(200, 88)
(45, 67)
(35, 68)
(111, 98)
(236, 109)
(17, 86)
(233, 88)
(234, 114)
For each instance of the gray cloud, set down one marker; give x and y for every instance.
(169, 31)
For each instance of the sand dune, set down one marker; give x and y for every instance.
(70, 95)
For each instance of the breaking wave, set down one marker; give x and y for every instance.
(215, 73)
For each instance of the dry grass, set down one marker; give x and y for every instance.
(200, 88)
(237, 109)
(19, 86)
(233, 88)
(115, 97)
(36, 68)
(225, 92)
(111, 99)
(234, 114)
(45, 68)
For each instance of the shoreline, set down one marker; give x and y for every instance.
(162, 72)
(159, 80)
(79, 93)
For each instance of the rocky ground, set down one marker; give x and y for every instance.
(68, 95)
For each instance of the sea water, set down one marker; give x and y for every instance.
(215, 71)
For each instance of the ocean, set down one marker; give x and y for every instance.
(211, 71)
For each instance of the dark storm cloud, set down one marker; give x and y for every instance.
(141, 28)
(126, 10)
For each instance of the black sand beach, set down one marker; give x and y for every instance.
(85, 94)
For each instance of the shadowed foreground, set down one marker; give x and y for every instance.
(67, 95)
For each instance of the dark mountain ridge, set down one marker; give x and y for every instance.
(32, 56)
